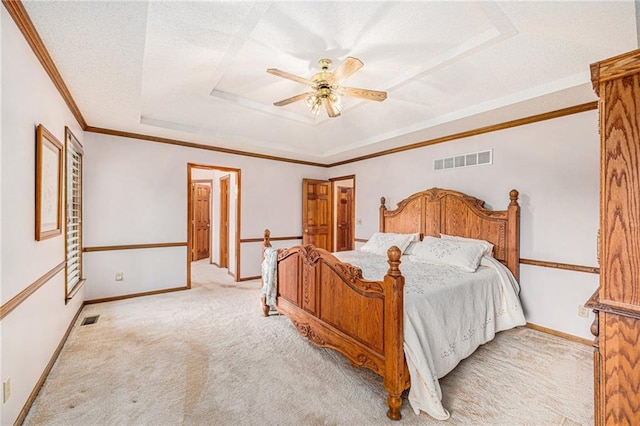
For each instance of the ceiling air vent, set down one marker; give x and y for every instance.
(464, 160)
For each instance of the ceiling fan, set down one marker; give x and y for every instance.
(326, 89)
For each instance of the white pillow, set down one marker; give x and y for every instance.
(411, 248)
(460, 254)
(486, 245)
(380, 242)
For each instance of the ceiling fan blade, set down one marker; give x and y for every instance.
(347, 68)
(293, 99)
(295, 78)
(332, 110)
(370, 95)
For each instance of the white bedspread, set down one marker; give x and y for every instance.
(448, 313)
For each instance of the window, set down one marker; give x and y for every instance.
(73, 230)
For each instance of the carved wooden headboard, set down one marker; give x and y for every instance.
(437, 211)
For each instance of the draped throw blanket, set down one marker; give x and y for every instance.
(270, 275)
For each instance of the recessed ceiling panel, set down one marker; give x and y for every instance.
(197, 70)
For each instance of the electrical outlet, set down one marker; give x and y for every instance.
(583, 311)
(6, 390)
(119, 276)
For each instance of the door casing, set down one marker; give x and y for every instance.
(236, 237)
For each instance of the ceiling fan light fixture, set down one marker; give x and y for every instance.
(336, 101)
(314, 102)
(327, 87)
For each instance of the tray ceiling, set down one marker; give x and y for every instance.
(196, 71)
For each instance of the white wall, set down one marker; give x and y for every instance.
(555, 166)
(30, 333)
(137, 194)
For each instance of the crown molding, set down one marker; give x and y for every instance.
(24, 24)
(479, 131)
(22, 20)
(186, 144)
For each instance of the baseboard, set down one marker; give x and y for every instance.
(46, 371)
(257, 277)
(130, 296)
(560, 334)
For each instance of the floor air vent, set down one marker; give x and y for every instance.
(90, 320)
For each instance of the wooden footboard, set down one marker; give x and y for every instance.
(333, 306)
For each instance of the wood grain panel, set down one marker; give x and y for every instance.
(322, 334)
(405, 219)
(617, 324)
(289, 275)
(344, 308)
(310, 276)
(620, 222)
(432, 217)
(621, 366)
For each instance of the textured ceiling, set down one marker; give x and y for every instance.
(196, 71)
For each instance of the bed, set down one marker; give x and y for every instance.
(415, 335)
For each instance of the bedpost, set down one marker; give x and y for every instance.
(395, 374)
(383, 209)
(513, 234)
(266, 243)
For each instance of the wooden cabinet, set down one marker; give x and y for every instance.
(617, 301)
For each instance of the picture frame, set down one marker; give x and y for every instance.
(49, 181)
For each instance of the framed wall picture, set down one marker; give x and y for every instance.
(49, 169)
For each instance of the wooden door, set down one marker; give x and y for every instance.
(201, 220)
(224, 221)
(344, 239)
(316, 213)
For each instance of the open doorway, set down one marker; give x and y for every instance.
(213, 220)
(344, 212)
(328, 213)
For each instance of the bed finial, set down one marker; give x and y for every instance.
(383, 210)
(267, 238)
(513, 195)
(394, 254)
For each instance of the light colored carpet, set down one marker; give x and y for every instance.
(207, 356)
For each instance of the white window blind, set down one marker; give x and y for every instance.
(74, 156)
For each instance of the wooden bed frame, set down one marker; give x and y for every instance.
(333, 306)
